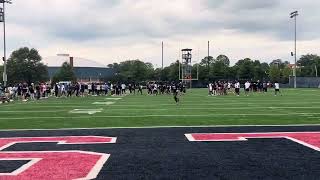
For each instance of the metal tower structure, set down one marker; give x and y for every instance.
(186, 67)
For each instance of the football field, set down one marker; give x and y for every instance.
(150, 137)
(196, 108)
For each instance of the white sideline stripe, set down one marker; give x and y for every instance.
(161, 115)
(163, 127)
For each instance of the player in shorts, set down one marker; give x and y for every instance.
(210, 86)
(265, 87)
(277, 89)
(175, 92)
(247, 88)
(237, 88)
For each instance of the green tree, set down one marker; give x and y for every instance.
(219, 71)
(308, 65)
(260, 70)
(245, 69)
(24, 65)
(274, 73)
(286, 73)
(174, 71)
(205, 68)
(224, 59)
(133, 70)
(207, 61)
(65, 73)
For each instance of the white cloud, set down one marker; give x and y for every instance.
(117, 30)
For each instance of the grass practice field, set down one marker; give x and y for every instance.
(301, 106)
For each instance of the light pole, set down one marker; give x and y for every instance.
(162, 54)
(294, 16)
(3, 19)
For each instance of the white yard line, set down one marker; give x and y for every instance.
(115, 99)
(103, 103)
(85, 111)
(27, 111)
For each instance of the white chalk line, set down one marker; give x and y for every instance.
(85, 111)
(115, 99)
(103, 103)
(27, 111)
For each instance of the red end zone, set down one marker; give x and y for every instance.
(55, 164)
(309, 139)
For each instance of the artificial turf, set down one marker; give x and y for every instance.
(296, 106)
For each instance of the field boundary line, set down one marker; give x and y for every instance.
(160, 127)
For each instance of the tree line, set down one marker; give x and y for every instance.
(25, 65)
(213, 69)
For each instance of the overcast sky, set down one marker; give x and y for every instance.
(115, 30)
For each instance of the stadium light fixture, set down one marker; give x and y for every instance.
(294, 15)
(3, 19)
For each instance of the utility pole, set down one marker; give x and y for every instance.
(294, 16)
(3, 19)
(162, 55)
(208, 49)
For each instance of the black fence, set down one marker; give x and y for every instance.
(305, 82)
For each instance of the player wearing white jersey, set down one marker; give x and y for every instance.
(237, 88)
(210, 86)
(277, 89)
(247, 88)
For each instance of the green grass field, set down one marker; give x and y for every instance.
(300, 106)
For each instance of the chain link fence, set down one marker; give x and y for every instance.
(305, 82)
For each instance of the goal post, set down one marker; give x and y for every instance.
(181, 78)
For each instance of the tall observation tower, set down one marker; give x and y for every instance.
(186, 66)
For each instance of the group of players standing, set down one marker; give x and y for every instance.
(222, 88)
(154, 88)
